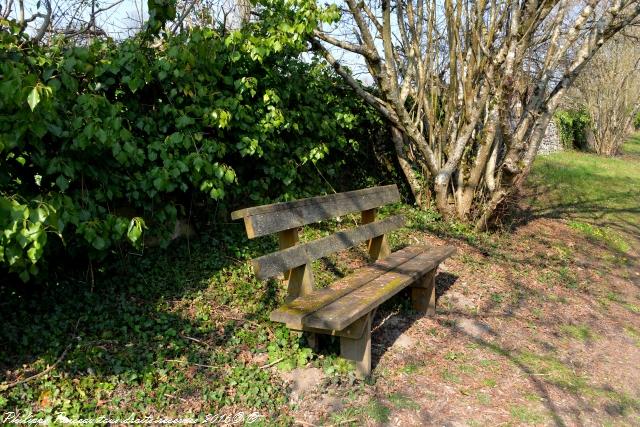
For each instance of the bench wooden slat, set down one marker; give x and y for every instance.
(267, 219)
(277, 262)
(293, 312)
(344, 311)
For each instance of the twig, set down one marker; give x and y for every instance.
(251, 322)
(194, 364)
(175, 397)
(268, 365)
(384, 320)
(4, 387)
(234, 259)
(195, 340)
(305, 423)
(353, 420)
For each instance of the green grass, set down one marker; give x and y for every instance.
(489, 382)
(483, 398)
(401, 401)
(410, 368)
(553, 369)
(449, 376)
(377, 411)
(578, 332)
(633, 333)
(632, 147)
(526, 415)
(632, 308)
(598, 194)
(602, 234)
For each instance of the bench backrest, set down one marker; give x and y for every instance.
(286, 218)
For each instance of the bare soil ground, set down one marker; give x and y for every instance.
(541, 327)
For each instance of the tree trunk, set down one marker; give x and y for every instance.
(457, 85)
(406, 165)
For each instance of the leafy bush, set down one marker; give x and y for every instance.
(572, 125)
(636, 121)
(101, 142)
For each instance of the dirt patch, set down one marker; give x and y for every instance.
(542, 328)
(302, 381)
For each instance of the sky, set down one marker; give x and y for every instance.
(117, 21)
(120, 19)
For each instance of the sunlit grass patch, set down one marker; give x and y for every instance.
(552, 369)
(483, 398)
(578, 332)
(377, 411)
(402, 401)
(598, 194)
(633, 333)
(348, 417)
(526, 415)
(632, 147)
(632, 307)
(449, 376)
(602, 234)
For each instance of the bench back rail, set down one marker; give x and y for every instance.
(270, 265)
(293, 259)
(268, 219)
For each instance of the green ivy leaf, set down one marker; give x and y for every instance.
(33, 99)
(62, 183)
(229, 176)
(135, 229)
(24, 276)
(99, 243)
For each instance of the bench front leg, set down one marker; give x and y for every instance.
(423, 294)
(359, 349)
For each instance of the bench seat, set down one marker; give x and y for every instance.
(337, 306)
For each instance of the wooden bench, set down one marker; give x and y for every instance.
(346, 307)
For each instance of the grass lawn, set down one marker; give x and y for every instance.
(591, 191)
(538, 326)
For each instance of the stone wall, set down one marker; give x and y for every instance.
(551, 141)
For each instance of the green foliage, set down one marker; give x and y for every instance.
(99, 143)
(130, 345)
(160, 11)
(636, 121)
(572, 125)
(286, 352)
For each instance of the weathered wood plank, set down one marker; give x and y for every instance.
(287, 239)
(293, 312)
(299, 280)
(270, 265)
(359, 349)
(267, 219)
(342, 312)
(423, 294)
(378, 246)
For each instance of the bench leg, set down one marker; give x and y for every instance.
(423, 294)
(359, 349)
(312, 340)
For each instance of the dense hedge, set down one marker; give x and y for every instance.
(102, 142)
(573, 128)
